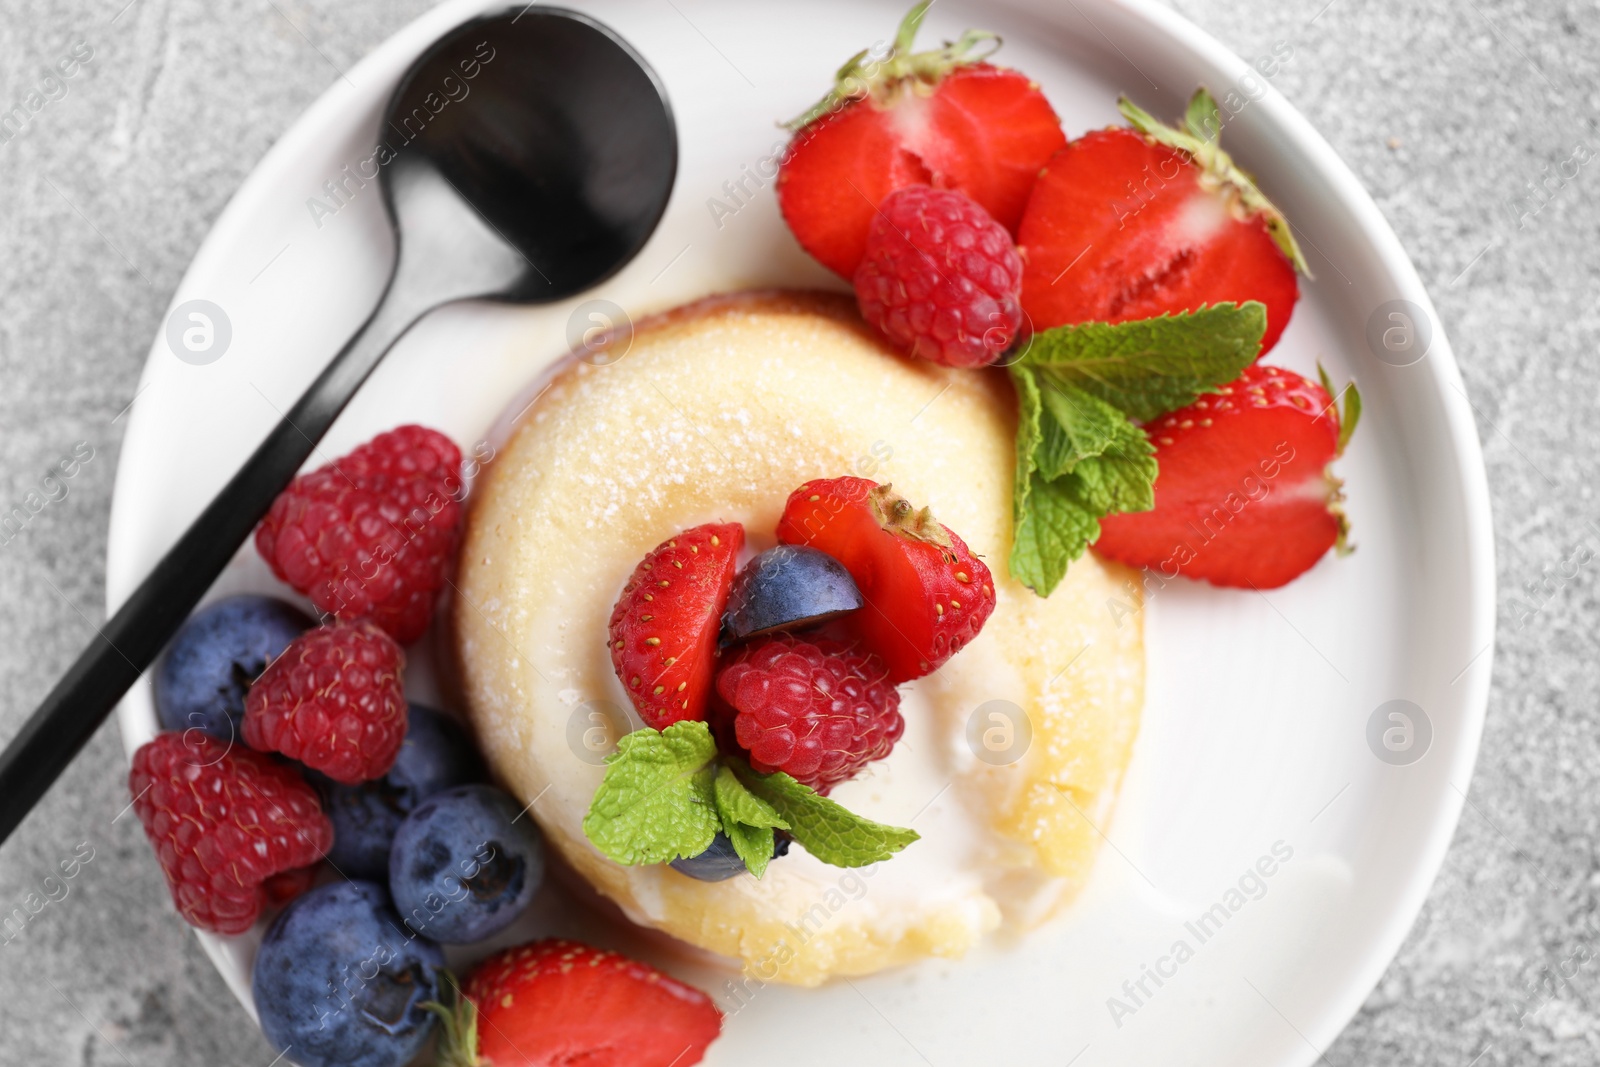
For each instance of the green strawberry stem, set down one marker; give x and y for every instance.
(1199, 137)
(1348, 417)
(1352, 407)
(895, 513)
(458, 1024)
(864, 75)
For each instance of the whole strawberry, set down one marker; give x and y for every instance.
(1243, 495)
(556, 1002)
(663, 630)
(927, 595)
(816, 709)
(225, 823)
(941, 118)
(333, 701)
(371, 535)
(940, 278)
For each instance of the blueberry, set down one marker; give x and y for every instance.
(436, 755)
(787, 587)
(465, 864)
(201, 680)
(338, 982)
(719, 861)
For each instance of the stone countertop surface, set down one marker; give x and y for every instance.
(1446, 110)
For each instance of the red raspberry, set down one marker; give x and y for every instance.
(940, 278)
(333, 701)
(284, 887)
(818, 710)
(224, 822)
(372, 535)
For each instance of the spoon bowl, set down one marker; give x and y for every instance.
(552, 129)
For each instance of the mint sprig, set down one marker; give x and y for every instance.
(666, 794)
(1149, 367)
(1082, 391)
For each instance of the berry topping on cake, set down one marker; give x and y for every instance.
(557, 1002)
(1244, 496)
(663, 631)
(1134, 223)
(939, 118)
(926, 594)
(817, 710)
(333, 701)
(940, 278)
(372, 535)
(787, 588)
(223, 821)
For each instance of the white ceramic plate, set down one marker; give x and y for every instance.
(1256, 729)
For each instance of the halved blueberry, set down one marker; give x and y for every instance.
(785, 588)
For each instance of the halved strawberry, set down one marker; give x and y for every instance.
(940, 118)
(1133, 223)
(926, 594)
(663, 632)
(558, 1003)
(1244, 496)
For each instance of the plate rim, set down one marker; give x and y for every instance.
(1281, 120)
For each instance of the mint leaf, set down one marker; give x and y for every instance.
(747, 820)
(657, 801)
(1029, 407)
(1149, 367)
(1058, 525)
(824, 828)
(754, 845)
(1081, 391)
(1122, 478)
(1078, 426)
(1085, 460)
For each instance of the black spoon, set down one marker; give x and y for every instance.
(530, 155)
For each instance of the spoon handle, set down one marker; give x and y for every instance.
(131, 639)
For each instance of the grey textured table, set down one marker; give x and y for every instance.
(1446, 110)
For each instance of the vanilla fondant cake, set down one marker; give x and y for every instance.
(716, 412)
